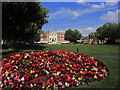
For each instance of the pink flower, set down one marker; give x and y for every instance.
(18, 80)
(63, 86)
(60, 83)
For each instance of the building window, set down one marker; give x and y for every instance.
(50, 38)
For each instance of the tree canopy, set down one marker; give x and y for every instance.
(93, 35)
(72, 35)
(108, 31)
(21, 20)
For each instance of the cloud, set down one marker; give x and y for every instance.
(110, 16)
(111, 2)
(102, 5)
(73, 14)
(90, 29)
(61, 13)
(67, 13)
(86, 31)
(82, 2)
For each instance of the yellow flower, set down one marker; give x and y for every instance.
(41, 63)
(95, 76)
(36, 75)
(85, 69)
(68, 68)
(30, 61)
(49, 85)
(17, 55)
(81, 72)
(31, 71)
(43, 86)
(76, 80)
(79, 78)
(1, 85)
(71, 71)
(70, 65)
(79, 58)
(94, 68)
(66, 64)
(16, 66)
(6, 73)
(74, 72)
(92, 57)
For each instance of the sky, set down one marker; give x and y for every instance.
(84, 16)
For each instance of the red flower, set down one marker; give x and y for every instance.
(47, 75)
(52, 80)
(40, 73)
(90, 72)
(58, 65)
(50, 72)
(27, 86)
(86, 77)
(36, 71)
(26, 77)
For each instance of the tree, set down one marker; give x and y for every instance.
(21, 20)
(93, 35)
(72, 35)
(108, 31)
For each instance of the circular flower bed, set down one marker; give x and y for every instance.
(50, 69)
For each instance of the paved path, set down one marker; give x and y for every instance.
(109, 56)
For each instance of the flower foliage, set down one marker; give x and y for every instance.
(50, 69)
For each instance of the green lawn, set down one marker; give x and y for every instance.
(86, 49)
(92, 50)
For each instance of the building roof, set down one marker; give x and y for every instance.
(85, 38)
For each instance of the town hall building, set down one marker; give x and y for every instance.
(53, 37)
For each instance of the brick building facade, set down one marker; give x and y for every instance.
(52, 37)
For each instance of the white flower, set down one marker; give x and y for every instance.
(13, 61)
(47, 72)
(8, 78)
(25, 56)
(67, 84)
(34, 84)
(31, 85)
(22, 79)
(12, 75)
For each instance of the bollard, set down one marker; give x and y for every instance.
(77, 49)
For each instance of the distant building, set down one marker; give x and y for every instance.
(52, 37)
(87, 40)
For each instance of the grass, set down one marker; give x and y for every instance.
(86, 49)
(92, 50)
